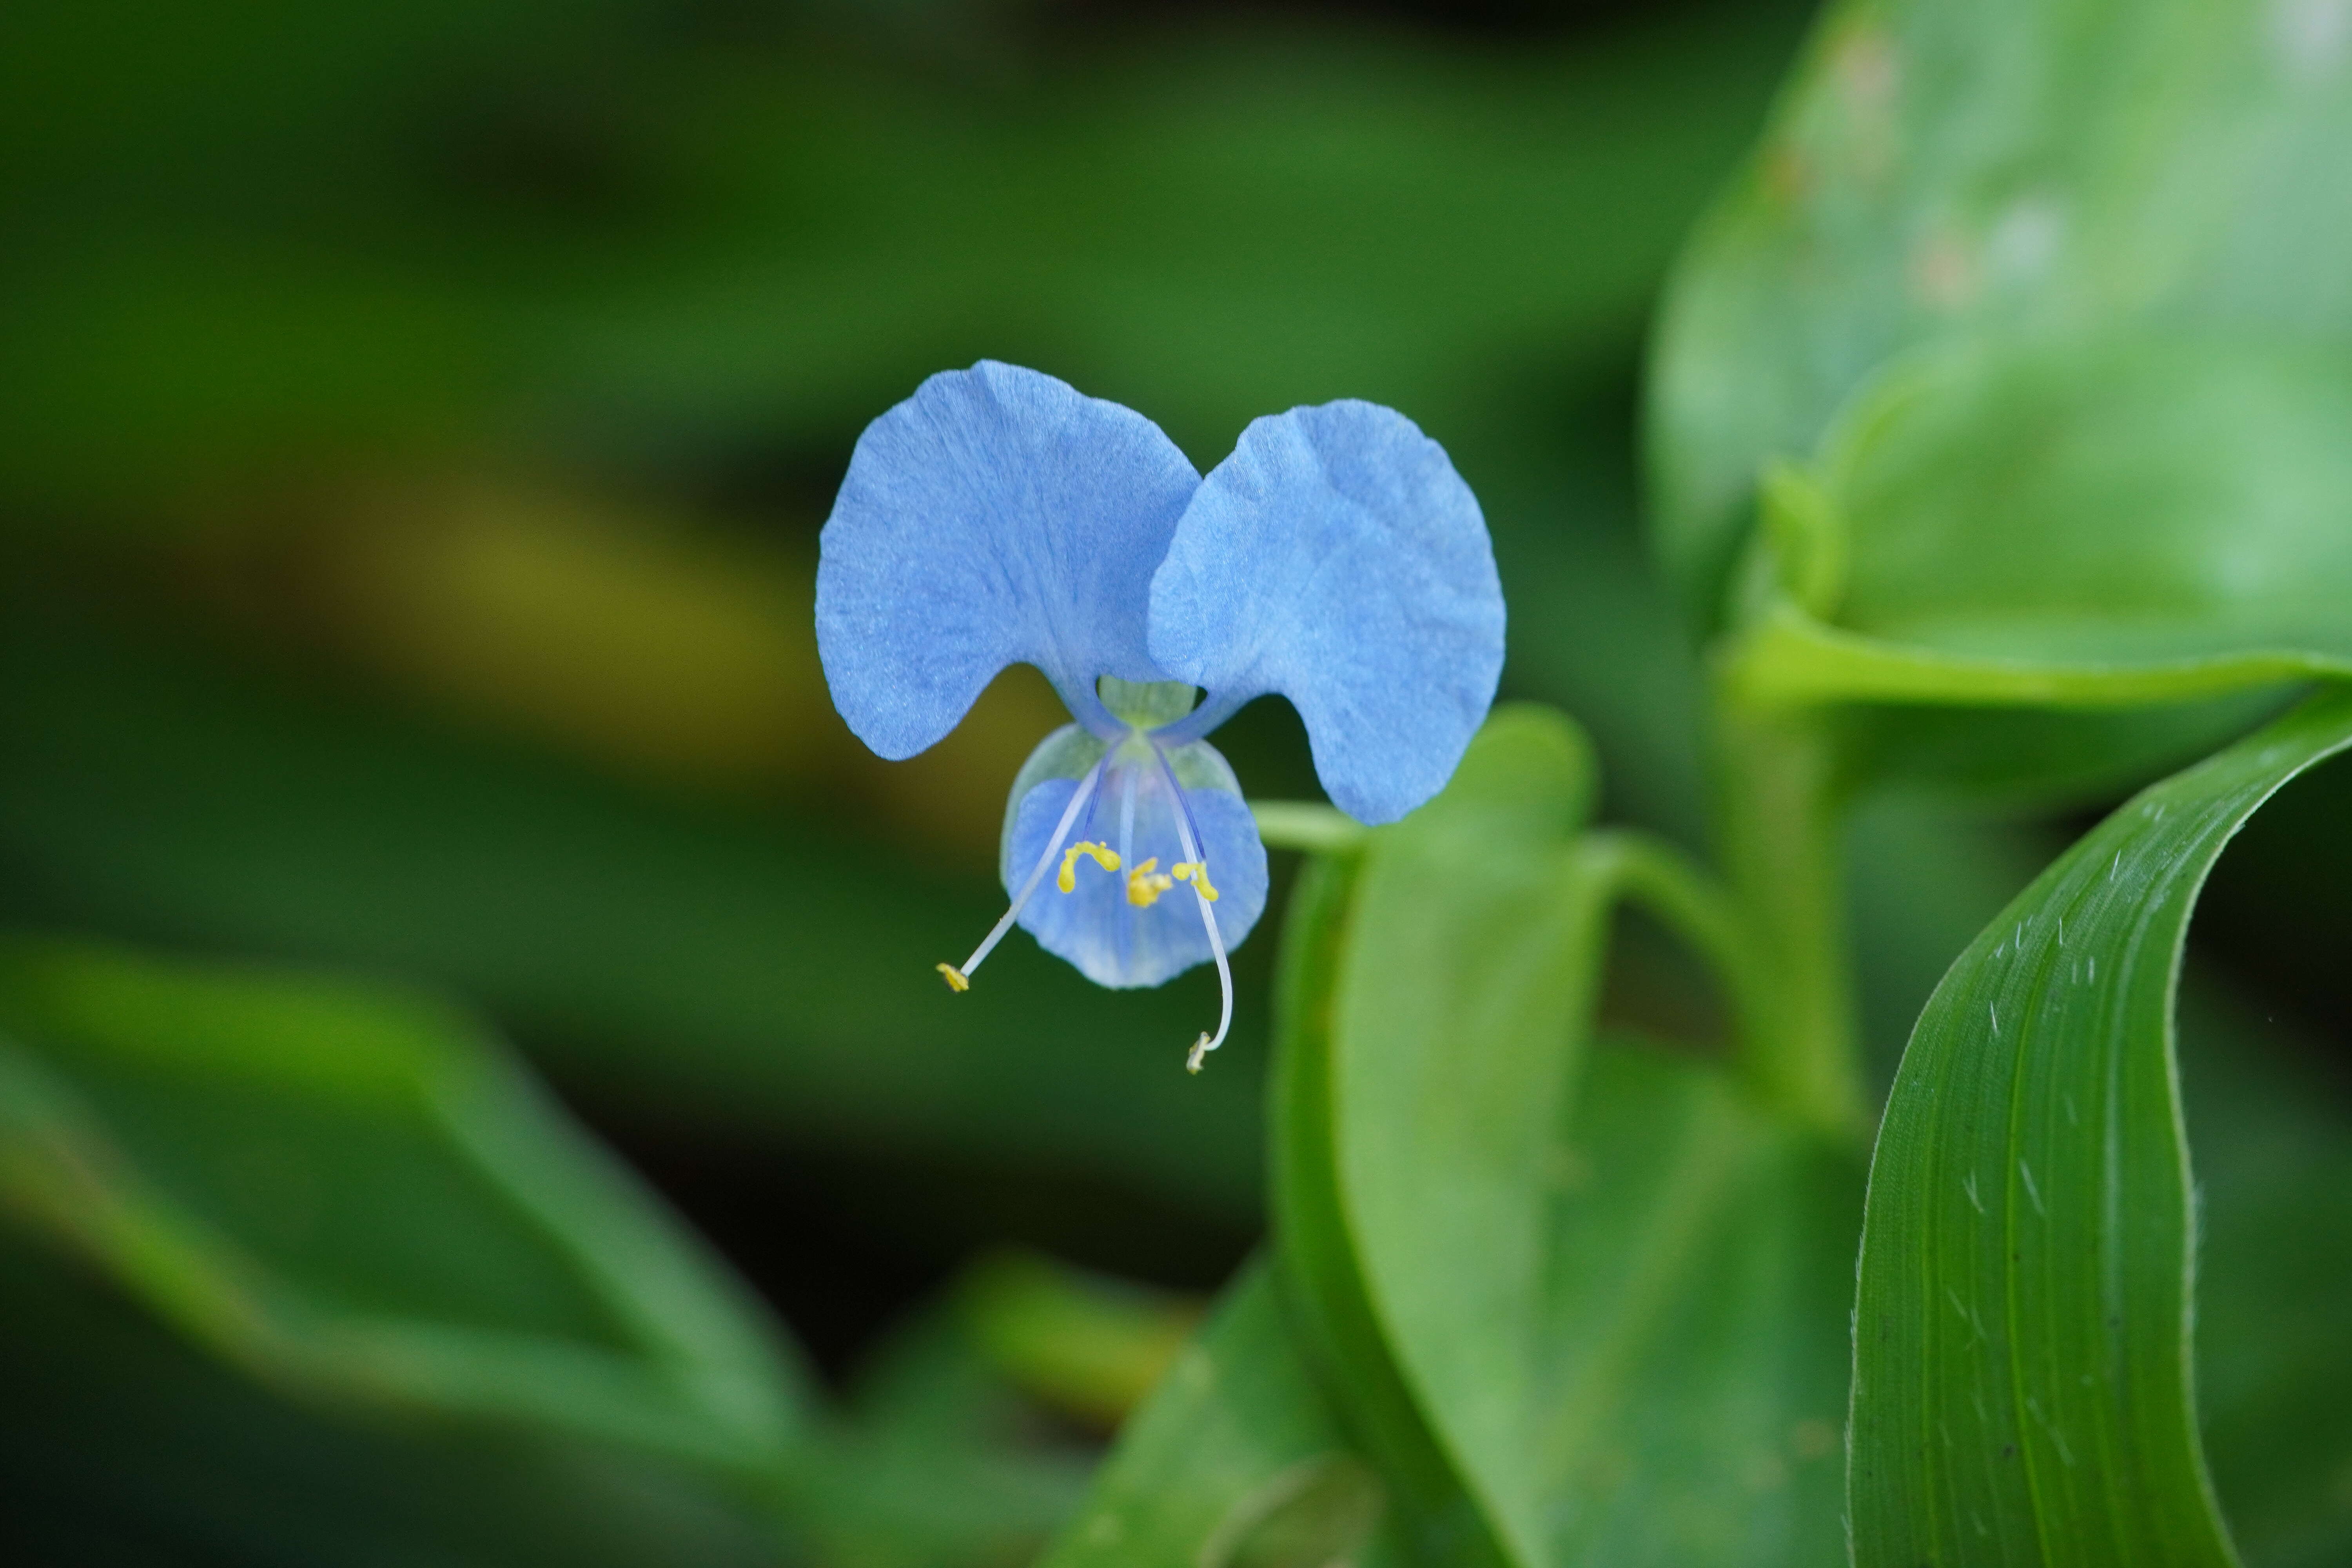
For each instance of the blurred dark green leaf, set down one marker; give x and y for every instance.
(1228, 220)
(1235, 1463)
(348, 1197)
(350, 1194)
(124, 1443)
(2271, 1130)
(2022, 1389)
(2296, 855)
(2034, 761)
(641, 239)
(938, 1460)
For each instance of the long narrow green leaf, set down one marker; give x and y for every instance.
(350, 1194)
(124, 1443)
(2022, 1390)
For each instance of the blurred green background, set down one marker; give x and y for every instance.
(416, 421)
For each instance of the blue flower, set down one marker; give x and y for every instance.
(1000, 517)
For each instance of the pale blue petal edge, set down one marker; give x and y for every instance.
(1336, 558)
(997, 516)
(1094, 927)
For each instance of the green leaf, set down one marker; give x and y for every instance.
(1982, 503)
(1951, 170)
(1316, 1259)
(1236, 1462)
(2044, 285)
(1614, 1289)
(124, 1443)
(354, 1199)
(1682, 1378)
(939, 1460)
(2022, 1388)
(2091, 525)
(1410, 1243)
(352, 1194)
(1476, 895)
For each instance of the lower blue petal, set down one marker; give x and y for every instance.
(1093, 926)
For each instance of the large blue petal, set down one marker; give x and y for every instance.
(997, 516)
(1093, 926)
(1336, 558)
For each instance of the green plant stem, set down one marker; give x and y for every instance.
(1788, 659)
(1780, 827)
(1306, 825)
(1660, 878)
(1774, 931)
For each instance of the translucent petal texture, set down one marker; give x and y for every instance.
(1111, 941)
(996, 517)
(1336, 558)
(1067, 754)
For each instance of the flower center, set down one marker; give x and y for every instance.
(1146, 704)
(1128, 768)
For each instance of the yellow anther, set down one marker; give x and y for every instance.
(1146, 882)
(1197, 873)
(953, 976)
(1104, 856)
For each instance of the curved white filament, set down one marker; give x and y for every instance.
(1078, 799)
(1205, 1044)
